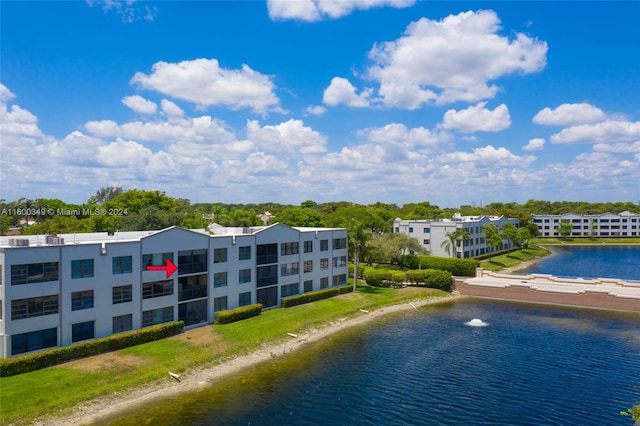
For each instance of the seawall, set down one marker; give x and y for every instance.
(601, 293)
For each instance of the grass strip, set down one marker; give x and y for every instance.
(510, 260)
(54, 391)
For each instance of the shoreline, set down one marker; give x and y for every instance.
(197, 379)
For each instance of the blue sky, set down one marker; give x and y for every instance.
(375, 100)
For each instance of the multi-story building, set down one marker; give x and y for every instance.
(56, 290)
(432, 233)
(625, 224)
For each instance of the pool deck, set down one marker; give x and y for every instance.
(601, 293)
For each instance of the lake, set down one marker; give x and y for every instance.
(531, 365)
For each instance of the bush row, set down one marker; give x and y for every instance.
(431, 278)
(312, 296)
(36, 361)
(460, 267)
(237, 314)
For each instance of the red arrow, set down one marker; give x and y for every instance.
(169, 268)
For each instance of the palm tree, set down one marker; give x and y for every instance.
(453, 240)
(358, 238)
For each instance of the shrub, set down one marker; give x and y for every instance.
(432, 278)
(237, 314)
(397, 278)
(38, 360)
(377, 277)
(312, 296)
(461, 267)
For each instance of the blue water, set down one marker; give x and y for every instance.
(532, 365)
(590, 262)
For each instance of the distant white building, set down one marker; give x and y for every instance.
(432, 233)
(56, 290)
(625, 224)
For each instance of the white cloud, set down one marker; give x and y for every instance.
(477, 118)
(398, 133)
(202, 129)
(488, 156)
(315, 10)
(609, 131)
(124, 154)
(205, 83)
(129, 11)
(5, 94)
(171, 109)
(451, 60)
(315, 110)
(618, 147)
(139, 104)
(291, 137)
(570, 114)
(341, 91)
(535, 144)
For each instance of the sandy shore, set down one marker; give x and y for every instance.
(95, 410)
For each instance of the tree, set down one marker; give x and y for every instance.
(510, 232)
(299, 216)
(524, 236)
(106, 193)
(565, 228)
(455, 239)
(358, 238)
(493, 236)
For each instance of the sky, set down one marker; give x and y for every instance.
(397, 101)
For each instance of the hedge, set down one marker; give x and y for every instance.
(460, 267)
(378, 277)
(47, 358)
(312, 296)
(237, 314)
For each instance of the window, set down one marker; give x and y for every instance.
(288, 248)
(220, 255)
(244, 253)
(82, 331)
(121, 294)
(81, 300)
(308, 286)
(339, 243)
(157, 316)
(192, 261)
(122, 323)
(34, 273)
(220, 304)
(324, 245)
(266, 253)
(308, 246)
(156, 259)
(244, 276)
(287, 269)
(426, 242)
(244, 299)
(34, 307)
(82, 268)
(193, 312)
(339, 279)
(157, 289)
(308, 266)
(121, 265)
(290, 290)
(33, 341)
(192, 287)
(220, 279)
(426, 230)
(267, 297)
(324, 263)
(266, 275)
(340, 261)
(410, 229)
(324, 282)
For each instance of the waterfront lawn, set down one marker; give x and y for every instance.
(515, 258)
(587, 241)
(54, 391)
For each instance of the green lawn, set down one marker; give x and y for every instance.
(514, 258)
(56, 390)
(586, 241)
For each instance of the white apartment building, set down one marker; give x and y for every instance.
(625, 224)
(57, 290)
(432, 233)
